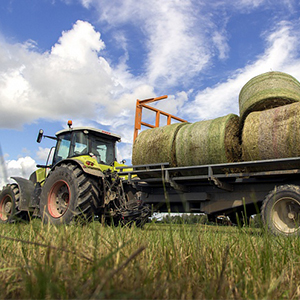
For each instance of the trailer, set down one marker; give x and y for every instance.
(238, 190)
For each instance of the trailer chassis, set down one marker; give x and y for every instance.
(231, 189)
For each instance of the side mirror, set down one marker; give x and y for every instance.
(40, 135)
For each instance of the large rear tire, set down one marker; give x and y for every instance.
(9, 205)
(68, 194)
(281, 210)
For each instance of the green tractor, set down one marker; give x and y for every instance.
(81, 183)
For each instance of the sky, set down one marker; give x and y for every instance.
(89, 60)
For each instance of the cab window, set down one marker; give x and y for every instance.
(103, 150)
(62, 149)
(79, 144)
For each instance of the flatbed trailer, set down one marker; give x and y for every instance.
(238, 190)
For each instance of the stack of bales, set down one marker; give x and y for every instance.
(268, 127)
(269, 111)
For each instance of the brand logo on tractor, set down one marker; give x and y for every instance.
(106, 132)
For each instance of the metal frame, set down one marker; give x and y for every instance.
(140, 104)
(275, 167)
(211, 189)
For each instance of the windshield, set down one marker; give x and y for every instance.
(104, 150)
(79, 144)
(71, 144)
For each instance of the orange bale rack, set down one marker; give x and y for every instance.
(140, 104)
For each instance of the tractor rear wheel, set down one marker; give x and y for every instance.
(68, 194)
(281, 210)
(9, 205)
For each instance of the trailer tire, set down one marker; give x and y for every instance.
(281, 210)
(68, 194)
(9, 205)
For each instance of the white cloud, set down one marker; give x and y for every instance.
(246, 6)
(180, 38)
(22, 167)
(174, 104)
(175, 36)
(221, 44)
(42, 154)
(71, 80)
(124, 122)
(86, 3)
(176, 51)
(72, 45)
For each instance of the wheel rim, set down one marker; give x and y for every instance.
(59, 199)
(6, 207)
(286, 215)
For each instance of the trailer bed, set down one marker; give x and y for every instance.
(212, 189)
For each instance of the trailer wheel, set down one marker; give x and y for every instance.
(9, 205)
(68, 194)
(281, 210)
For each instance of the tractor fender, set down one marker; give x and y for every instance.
(26, 189)
(90, 171)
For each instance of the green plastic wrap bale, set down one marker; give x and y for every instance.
(268, 90)
(156, 145)
(209, 142)
(271, 134)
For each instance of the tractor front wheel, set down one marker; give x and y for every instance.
(68, 194)
(9, 205)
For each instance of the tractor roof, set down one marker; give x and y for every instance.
(94, 130)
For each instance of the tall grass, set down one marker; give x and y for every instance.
(157, 262)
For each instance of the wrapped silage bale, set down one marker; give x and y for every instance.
(156, 145)
(209, 142)
(271, 134)
(268, 90)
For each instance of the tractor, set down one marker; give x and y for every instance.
(79, 182)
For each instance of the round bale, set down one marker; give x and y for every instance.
(209, 142)
(273, 133)
(156, 145)
(268, 90)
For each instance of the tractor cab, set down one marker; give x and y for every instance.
(80, 141)
(84, 141)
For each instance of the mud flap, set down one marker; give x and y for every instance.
(26, 188)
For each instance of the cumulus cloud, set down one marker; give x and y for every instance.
(22, 167)
(71, 80)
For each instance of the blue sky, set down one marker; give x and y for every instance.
(89, 60)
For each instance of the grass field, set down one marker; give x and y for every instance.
(160, 261)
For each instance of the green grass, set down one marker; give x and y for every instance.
(158, 262)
